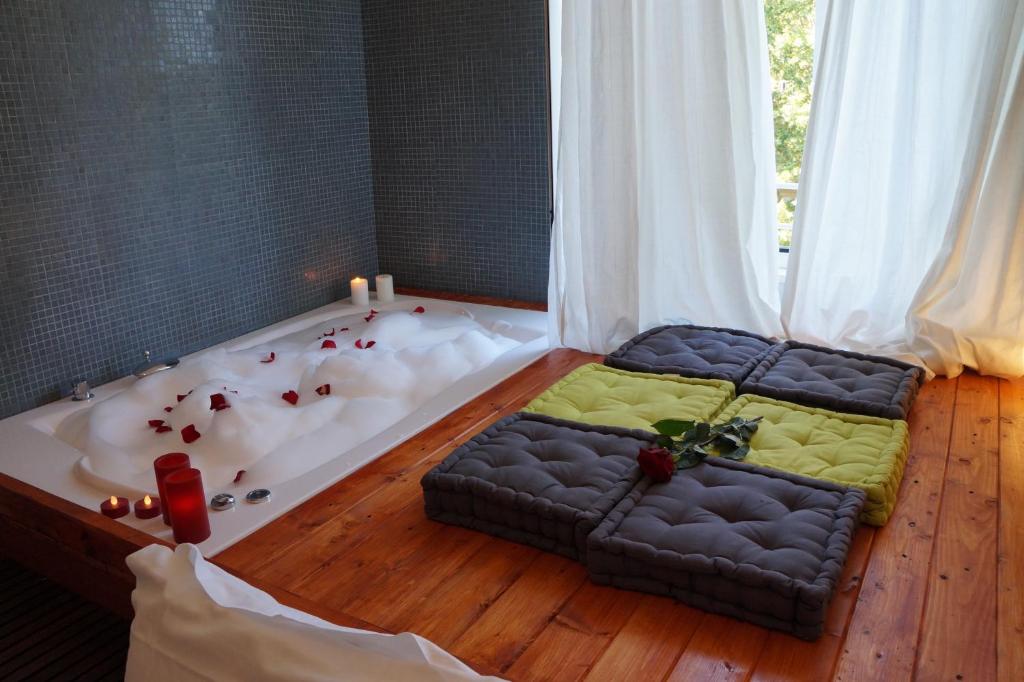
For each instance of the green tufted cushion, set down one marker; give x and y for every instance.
(595, 394)
(849, 449)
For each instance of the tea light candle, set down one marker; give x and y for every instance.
(147, 507)
(385, 288)
(114, 507)
(164, 465)
(186, 501)
(360, 291)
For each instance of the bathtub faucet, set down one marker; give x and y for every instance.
(81, 391)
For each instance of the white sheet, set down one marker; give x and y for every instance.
(194, 621)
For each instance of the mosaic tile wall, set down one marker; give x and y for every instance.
(458, 105)
(173, 173)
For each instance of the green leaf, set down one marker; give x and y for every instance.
(664, 441)
(672, 427)
(737, 454)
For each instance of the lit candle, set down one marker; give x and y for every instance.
(360, 291)
(147, 507)
(385, 288)
(164, 465)
(186, 500)
(115, 507)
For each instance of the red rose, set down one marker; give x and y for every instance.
(656, 463)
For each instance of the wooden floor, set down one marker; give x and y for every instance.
(938, 594)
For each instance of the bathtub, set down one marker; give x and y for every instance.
(36, 447)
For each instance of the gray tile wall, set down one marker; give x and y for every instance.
(173, 173)
(458, 104)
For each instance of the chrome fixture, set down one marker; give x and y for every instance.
(257, 496)
(222, 501)
(81, 391)
(152, 367)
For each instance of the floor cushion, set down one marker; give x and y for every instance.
(692, 351)
(838, 380)
(534, 479)
(595, 394)
(763, 546)
(847, 449)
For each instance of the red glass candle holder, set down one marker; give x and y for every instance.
(185, 499)
(147, 507)
(114, 507)
(164, 465)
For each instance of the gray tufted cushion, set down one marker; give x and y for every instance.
(843, 381)
(731, 538)
(535, 479)
(692, 351)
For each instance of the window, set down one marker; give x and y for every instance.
(791, 57)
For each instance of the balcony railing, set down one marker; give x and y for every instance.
(785, 191)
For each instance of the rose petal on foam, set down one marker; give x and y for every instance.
(328, 344)
(155, 423)
(181, 397)
(270, 358)
(189, 433)
(168, 409)
(218, 402)
(359, 343)
(373, 314)
(371, 344)
(163, 429)
(330, 333)
(290, 397)
(324, 389)
(238, 476)
(343, 329)
(419, 309)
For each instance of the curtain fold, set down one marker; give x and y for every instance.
(907, 230)
(665, 176)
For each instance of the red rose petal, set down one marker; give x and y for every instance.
(218, 402)
(154, 423)
(359, 343)
(323, 390)
(168, 409)
(328, 344)
(189, 433)
(163, 429)
(343, 329)
(330, 333)
(419, 309)
(181, 397)
(371, 344)
(270, 358)
(373, 314)
(238, 476)
(290, 397)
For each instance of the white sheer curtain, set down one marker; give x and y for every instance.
(664, 174)
(907, 237)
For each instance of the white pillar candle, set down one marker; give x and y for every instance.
(385, 288)
(360, 291)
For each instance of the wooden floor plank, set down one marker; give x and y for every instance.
(1010, 638)
(650, 643)
(722, 649)
(570, 644)
(881, 641)
(958, 629)
(508, 627)
(787, 659)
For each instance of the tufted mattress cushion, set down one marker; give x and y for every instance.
(847, 449)
(537, 480)
(596, 394)
(839, 380)
(692, 351)
(727, 537)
